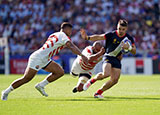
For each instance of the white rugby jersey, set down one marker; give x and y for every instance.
(53, 45)
(87, 52)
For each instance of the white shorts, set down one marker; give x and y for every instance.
(76, 69)
(35, 62)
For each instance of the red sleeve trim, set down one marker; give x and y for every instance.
(105, 37)
(88, 51)
(69, 38)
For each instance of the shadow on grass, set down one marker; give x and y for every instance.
(77, 99)
(132, 98)
(107, 98)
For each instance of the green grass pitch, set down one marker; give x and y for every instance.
(133, 95)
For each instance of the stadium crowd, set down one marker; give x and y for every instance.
(28, 23)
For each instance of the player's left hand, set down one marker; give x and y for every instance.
(102, 50)
(125, 45)
(83, 34)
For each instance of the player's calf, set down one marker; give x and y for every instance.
(88, 84)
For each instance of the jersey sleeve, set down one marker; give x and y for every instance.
(108, 35)
(87, 51)
(131, 39)
(65, 38)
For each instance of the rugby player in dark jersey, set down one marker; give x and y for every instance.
(114, 44)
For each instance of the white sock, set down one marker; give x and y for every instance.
(44, 83)
(9, 89)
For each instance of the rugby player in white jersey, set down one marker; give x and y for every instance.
(40, 59)
(83, 70)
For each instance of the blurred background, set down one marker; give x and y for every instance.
(28, 23)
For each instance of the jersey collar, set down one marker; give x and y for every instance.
(119, 36)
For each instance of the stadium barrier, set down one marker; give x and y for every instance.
(146, 66)
(130, 66)
(156, 66)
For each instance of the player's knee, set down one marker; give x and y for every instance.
(105, 75)
(61, 73)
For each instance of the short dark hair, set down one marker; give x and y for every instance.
(66, 24)
(123, 22)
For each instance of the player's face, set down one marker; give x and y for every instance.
(97, 48)
(121, 30)
(68, 31)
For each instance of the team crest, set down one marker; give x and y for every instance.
(106, 60)
(37, 66)
(114, 40)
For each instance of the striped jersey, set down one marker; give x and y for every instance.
(53, 45)
(88, 51)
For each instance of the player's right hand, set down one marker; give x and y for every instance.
(83, 34)
(102, 50)
(85, 59)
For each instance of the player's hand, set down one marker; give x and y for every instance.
(83, 34)
(125, 45)
(102, 50)
(85, 59)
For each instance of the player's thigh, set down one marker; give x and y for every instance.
(29, 73)
(53, 67)
(115, 73)
(106, 69)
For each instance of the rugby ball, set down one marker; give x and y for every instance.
(125, 51)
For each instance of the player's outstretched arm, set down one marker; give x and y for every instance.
(97, 55)
(76, 50)
(92, 37)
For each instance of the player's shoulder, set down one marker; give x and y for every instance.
(59, 33)
(88, 49)
(111, 32)
(128, 35)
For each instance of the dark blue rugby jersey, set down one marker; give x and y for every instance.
(113, 41)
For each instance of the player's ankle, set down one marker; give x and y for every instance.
(99, 92)
(92, 81)
(44, 83)
(9, 89)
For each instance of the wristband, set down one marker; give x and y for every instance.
(88, 38)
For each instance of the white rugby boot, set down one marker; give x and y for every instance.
(4, 96)
(98, 96)
(41, 90)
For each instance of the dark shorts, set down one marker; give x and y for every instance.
(114, 61)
